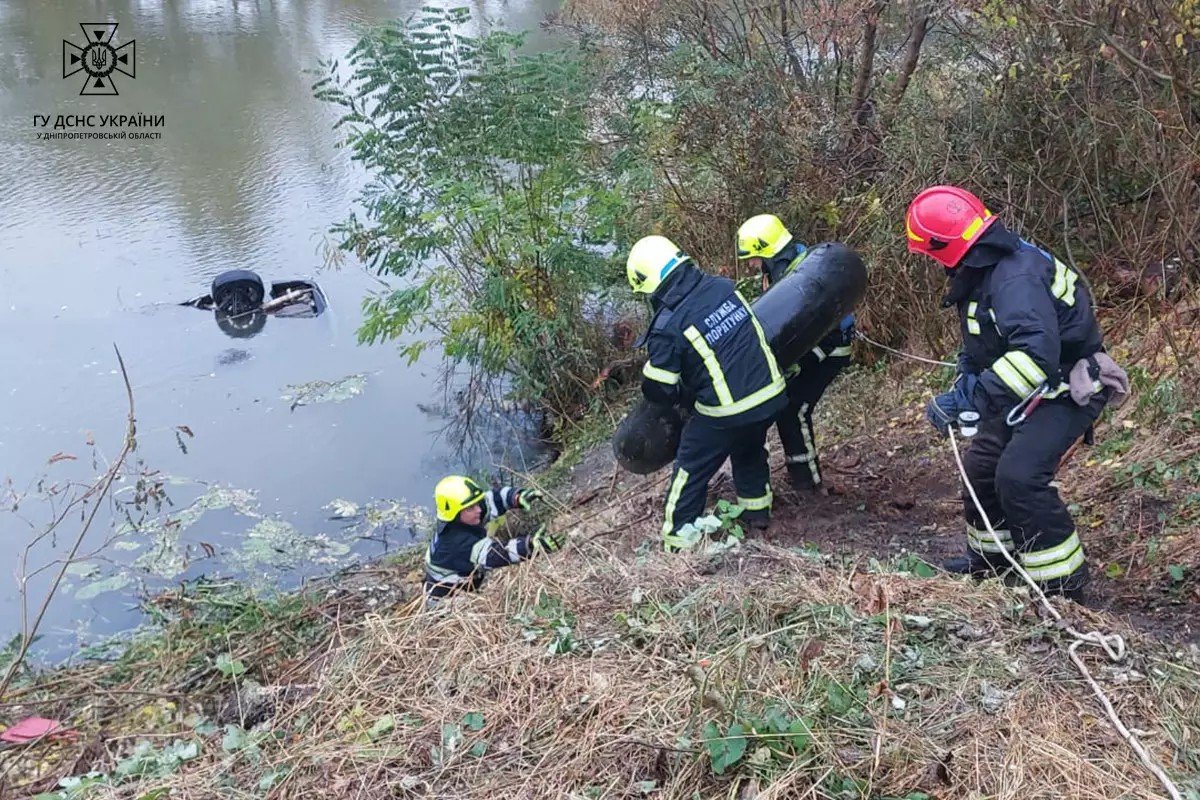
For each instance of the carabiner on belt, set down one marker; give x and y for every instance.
(1024, 408)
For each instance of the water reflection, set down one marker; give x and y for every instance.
(100, 242)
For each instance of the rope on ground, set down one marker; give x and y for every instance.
(1111, 643)
(901, 353)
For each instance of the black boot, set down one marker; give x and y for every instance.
(756, 521)
(969, 564)
(800, 477)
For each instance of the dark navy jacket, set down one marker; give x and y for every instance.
(706, 347)
(460, 555)
(1026, 318)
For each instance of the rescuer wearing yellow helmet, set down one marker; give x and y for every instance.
(707, 349)
(766, 244)
(461, 552)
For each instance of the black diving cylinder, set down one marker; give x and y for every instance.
(795, 315)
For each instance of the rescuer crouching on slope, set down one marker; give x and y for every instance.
(1027, 328)
(765, 244)
(707, 348)
(461, 553)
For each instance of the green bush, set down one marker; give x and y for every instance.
(485, 205)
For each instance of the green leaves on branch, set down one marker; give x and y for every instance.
(485, 201)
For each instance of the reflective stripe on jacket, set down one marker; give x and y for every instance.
(461, 554)
(1026, 318)
(706, 347)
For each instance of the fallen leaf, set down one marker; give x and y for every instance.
(60, 456)
(872, 594)
(185, 429)
(33, 728)
(812, 648)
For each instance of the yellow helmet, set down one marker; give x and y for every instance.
(651, 260)
(453, 494)
(762, 237)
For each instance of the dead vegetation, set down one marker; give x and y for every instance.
(614, 670)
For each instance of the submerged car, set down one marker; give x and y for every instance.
(241, 302)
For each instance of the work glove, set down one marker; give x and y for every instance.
(943, 410)
(527, 497)
(544, 541)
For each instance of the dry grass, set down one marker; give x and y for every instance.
(654, 647)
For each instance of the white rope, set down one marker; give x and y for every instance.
(901, 353)
(1111, 643)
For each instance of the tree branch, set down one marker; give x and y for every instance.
(866, 63)
(97, 493)
(912, 53)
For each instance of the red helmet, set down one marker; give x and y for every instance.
(944, 221)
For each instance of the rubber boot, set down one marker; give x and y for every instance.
(969, 564)
(1074, 588)
(756, 521)
(800, 477)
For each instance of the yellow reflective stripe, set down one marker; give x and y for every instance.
(757, 503)
(983, 536)
(972, 322)
(1012, 379)
(1026, 366)
(1063, 287)
(1059, 569)
(844, 350)
(681, 477)
(479, 551)
(908, 231)
(819, 353)
(810, 449)
(1062, 387)
(661, 375)
(973, 228)
(439, 573)
(746, 403)
(715, 374)
(792, 266)
(1050, 555)
(982, 542)
(762, 340)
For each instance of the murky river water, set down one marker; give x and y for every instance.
(98, 242)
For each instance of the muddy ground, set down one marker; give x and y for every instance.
(895, 490)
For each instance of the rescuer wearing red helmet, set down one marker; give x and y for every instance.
(1027, 322)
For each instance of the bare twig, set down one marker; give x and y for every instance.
(96, 494)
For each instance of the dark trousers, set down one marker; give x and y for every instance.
(795, 423)
(1011, 469)
(703, 448)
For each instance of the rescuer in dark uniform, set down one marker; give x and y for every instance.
(767, 245)
(1027, 324)
(461, 553)
(707, 348)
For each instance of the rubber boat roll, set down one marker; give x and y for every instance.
(795, 315)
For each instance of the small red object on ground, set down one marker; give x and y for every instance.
(32, 728)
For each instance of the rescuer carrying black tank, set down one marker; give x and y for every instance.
(1032, 366)
(706, 348)
(765, 244)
